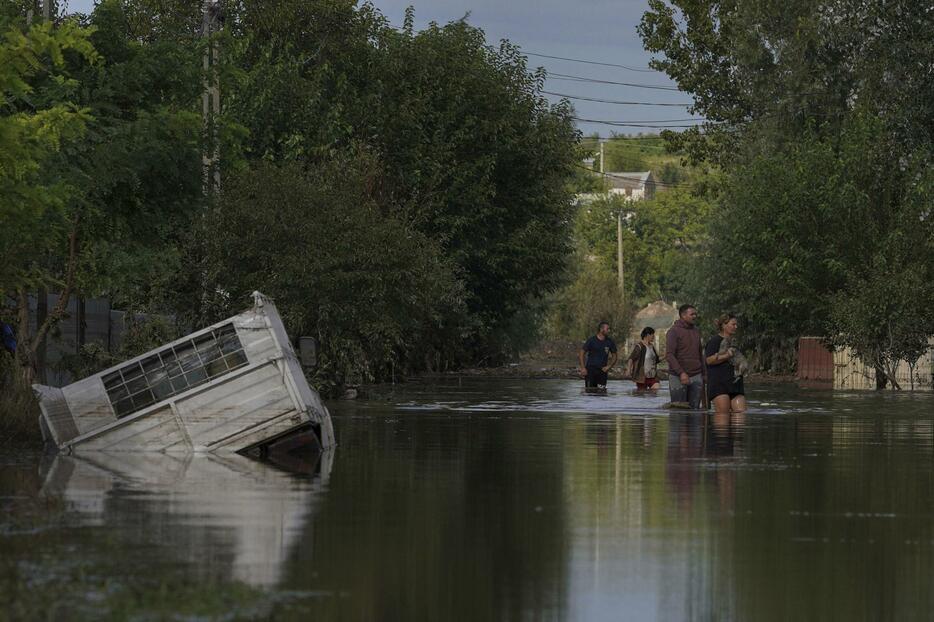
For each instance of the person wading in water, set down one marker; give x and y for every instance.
(685, 358)
(726, 386)
(596, 357)
(643, 362)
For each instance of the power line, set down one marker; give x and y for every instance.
(649, 124)
(613, 101)
(572, 78)
(590, 62)
(651, 137)
(660, 120)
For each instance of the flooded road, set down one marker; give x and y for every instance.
(482, 499)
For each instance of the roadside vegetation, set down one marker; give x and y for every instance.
(820, 119)
(403, 195)
(407, 197)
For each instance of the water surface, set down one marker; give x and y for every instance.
(482, 499)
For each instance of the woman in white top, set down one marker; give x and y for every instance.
(643, 362)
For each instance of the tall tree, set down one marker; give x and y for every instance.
(38, 119)
(472, 154)
(821, 117)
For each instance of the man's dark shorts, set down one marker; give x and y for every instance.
(596, 377)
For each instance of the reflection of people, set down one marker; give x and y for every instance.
(643, 362)
(684, 357)
(685, 447)
(725, 388)
(597, 356)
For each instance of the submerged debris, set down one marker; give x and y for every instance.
(234, 386)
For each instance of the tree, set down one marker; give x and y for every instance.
(821, 117)
(139, 163)
(38, 119)
(885, 313)
(368, 286)
(126, 185)
(474, 157)
(661, 240)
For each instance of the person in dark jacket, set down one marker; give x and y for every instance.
(685, 358)
(725, 387)
(643, 362)
(597, 356)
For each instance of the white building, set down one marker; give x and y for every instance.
(633, 186)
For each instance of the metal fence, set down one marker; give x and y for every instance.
(86, 320)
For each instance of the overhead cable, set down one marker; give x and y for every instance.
(572, 78)
(650, 124)
(590, 62)
(657, 137)
(614, 101)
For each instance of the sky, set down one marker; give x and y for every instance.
(594, 30)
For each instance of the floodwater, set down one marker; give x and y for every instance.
(482, 499)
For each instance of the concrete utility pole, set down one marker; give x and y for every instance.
(44, 8)
(619, 253)
(212, 19)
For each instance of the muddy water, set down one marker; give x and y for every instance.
(488, 500)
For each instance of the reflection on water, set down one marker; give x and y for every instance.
(487, 500)
(197, 504)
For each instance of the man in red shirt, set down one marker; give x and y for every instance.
(685, 358)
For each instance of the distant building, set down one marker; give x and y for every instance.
(633, 186)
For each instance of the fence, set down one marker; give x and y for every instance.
(85, 321)
(851, 373)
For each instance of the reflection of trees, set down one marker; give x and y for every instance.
(846, 529)
(440, 518)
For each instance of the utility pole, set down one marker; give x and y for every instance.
(619, 253)
(45, 9)
(602, 154)
(212, 19)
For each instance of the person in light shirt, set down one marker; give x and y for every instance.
(643, 362)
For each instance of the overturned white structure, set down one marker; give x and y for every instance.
(236, 386)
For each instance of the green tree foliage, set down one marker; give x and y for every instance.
(661, 238)
(36, 121)
(822, 119)
(591, 297)
(465, 160)
(39, 119)
(368, 286)
(884, 311)
(139, 165)
(123, 181)
(473, 156)
(781, 66)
